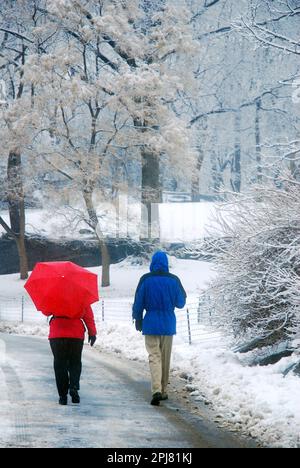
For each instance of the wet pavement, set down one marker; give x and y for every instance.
(114, 410)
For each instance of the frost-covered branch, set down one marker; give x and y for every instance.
(17, 34)
(256, 293)
(276, 30)
(252, 102)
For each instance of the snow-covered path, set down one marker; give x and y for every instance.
(114, 412)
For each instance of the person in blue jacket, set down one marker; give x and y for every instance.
(158, 293)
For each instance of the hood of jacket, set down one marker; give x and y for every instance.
(159, 262)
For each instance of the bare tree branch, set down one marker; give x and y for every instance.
(7, 228)
(16, 34)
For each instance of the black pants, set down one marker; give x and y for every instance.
(67, 363)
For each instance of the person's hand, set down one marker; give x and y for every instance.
(92, 340)
(139, 325)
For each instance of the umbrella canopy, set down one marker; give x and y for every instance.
(62, 288)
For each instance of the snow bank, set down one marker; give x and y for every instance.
(258, 401)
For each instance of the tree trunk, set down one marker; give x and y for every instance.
(196, 176)
(294, 165)
(258, 141)
(151, 193)
(22, 257)
(202, 139)
(236, 176)
(105, 281)
(94, 223)
(16, 207)
(216, 172)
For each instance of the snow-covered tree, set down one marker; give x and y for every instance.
(244, 111)
(256, 292)
(105, 92)
(274, 24)
(19, 23)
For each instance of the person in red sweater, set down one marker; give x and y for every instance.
(66, 340)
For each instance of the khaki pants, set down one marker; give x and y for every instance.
(159, 349)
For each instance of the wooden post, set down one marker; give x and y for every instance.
(22, 310)
(103, 310)
(189, 325)
(199, 310)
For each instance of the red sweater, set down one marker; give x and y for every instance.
(73, 328)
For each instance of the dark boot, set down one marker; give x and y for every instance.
(75, 396)
(156, 398)
(63, 400)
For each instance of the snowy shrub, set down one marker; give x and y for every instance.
(257, 290)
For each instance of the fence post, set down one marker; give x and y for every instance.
(102, 310)
(209, 307)
(199, 310)
(22, 313)
(189, 325)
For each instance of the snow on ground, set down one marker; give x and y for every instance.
(43, 222)
(197, 220)
(125, 276)
(257, 401)
(5, 424)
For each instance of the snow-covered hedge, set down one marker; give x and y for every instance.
(256, 294)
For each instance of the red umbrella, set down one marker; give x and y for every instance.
(62, 288)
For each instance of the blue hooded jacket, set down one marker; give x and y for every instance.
(158, 292)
